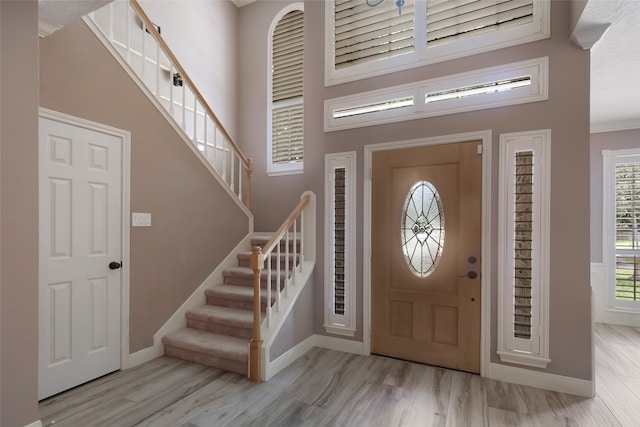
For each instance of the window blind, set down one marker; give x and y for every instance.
(339, 237)
(454, 20)
(287, 134)
(364, 33)
(628, 231)
(287, 89)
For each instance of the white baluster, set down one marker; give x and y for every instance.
(128, 30)
(295, 249)
(279, 274)
(268, 291)
(206, 140)
(144, 51)
(288, 261)
(215, 148)
(111, 12)
(171, 106)
(184, 108)
(157, 70)
(232, 157)
(224, 160)
(301, 239)
(240, 173)
(195, 120)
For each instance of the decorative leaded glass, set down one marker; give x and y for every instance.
(422, 228)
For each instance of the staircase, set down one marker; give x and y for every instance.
(218, 333)
(230, 331)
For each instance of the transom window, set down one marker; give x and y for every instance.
(372, 37)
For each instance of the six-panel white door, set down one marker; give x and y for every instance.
(80, 235)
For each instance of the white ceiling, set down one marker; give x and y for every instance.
(615, 64)
(615, 59)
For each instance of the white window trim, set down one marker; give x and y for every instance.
(534, 351)
(340, 324)
(610, 158)
(292, 168)
(537, 69)
(539, 29)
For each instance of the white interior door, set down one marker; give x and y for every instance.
(80, 235)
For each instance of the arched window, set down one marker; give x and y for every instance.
(285, 121)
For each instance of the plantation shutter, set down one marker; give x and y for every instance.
(628, 231)
(449, 20)
(523, 226)
(339, 219)
(287, 89)
(364, 33)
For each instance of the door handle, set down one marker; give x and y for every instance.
(114, 265)
(471, 275)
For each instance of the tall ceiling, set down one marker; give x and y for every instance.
(615, 64)
(615, 59)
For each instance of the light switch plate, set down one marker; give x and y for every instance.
(140, 219)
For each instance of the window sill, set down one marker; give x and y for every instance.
(297, 171)
(340, 330)
(527, 359)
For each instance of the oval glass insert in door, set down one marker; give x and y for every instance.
(422, 228)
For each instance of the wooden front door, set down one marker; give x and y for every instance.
(426, 240)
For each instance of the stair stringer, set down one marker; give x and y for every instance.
(154, 100)
(269, 334)
(179, 319)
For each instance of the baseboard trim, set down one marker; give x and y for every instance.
(340, 344)
(289, 357)
(541, 380)
(301, 348)
(139, 357)
(35, 424)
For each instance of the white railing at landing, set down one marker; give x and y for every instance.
(297, 231)
(127, 31)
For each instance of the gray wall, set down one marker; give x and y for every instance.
(18, 213)
(566, 113)
(195, 222)
(604, 141)
(273, 197)
(298, 326)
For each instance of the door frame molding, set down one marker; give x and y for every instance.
(125, 138)
(486, 138)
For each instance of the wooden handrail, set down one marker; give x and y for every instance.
(151, 28)
(257, 264)
(295, 213)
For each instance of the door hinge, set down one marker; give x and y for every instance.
(479, 148)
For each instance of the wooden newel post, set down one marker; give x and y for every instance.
(255, 347)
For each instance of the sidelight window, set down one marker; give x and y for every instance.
(340, 243)
(523, 239)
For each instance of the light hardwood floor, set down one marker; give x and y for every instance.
(330, 388)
